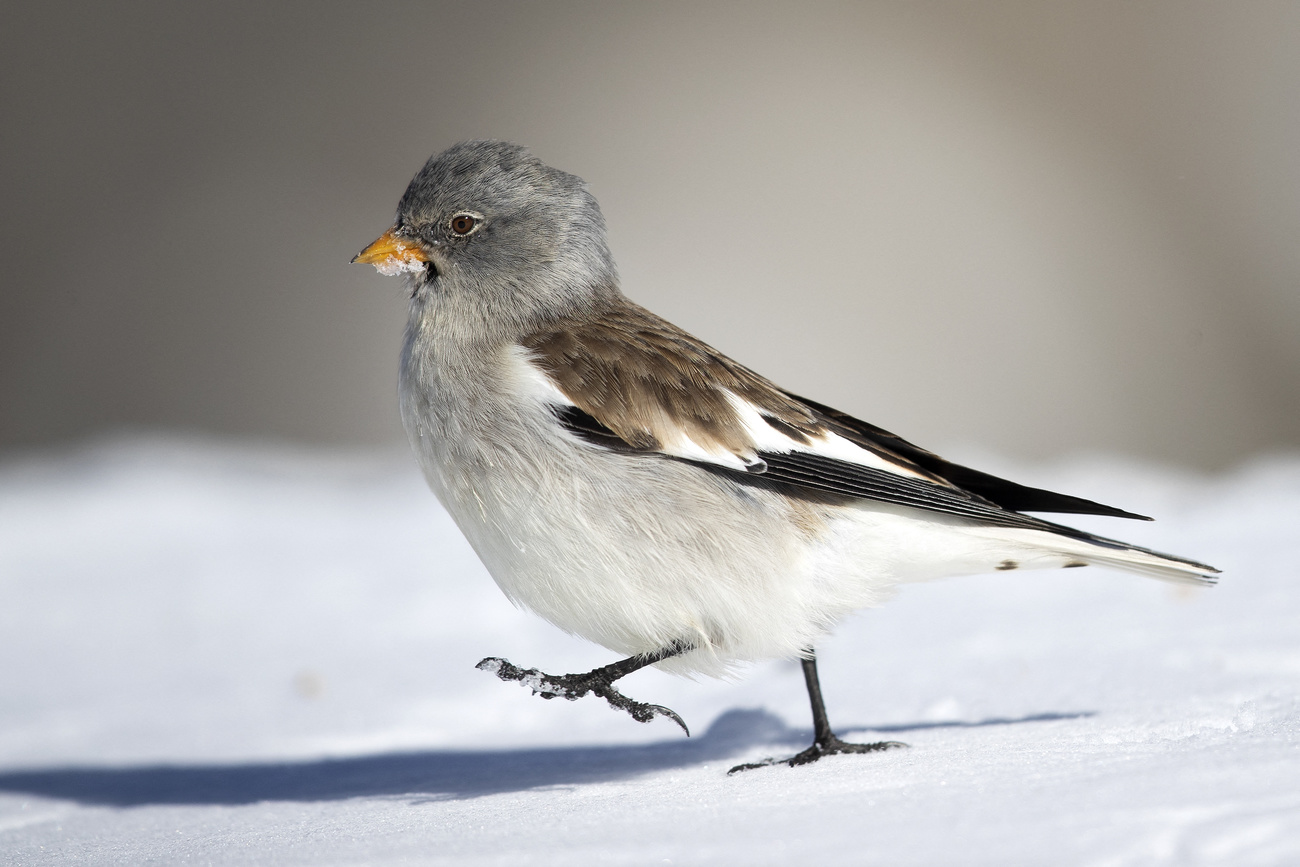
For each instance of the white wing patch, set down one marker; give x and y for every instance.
(682, 446)
(766, 438)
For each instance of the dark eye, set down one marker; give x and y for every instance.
(463, 224)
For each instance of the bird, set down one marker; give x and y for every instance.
(636, 487)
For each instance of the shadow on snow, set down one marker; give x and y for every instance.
(439, 775)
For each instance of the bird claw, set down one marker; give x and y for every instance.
(831, 746)
(574, 686)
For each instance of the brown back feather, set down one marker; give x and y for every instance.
(644, 379)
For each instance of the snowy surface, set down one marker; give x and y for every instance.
(222, 655)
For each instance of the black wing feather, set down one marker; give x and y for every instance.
(584, 425)
(797, 472)
(807, 470)
(1007, 494)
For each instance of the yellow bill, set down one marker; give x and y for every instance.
(391, 254)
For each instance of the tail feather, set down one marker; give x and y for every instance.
(1100, 551)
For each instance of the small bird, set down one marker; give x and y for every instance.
(636, 487)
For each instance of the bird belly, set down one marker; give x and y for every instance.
(638, 553)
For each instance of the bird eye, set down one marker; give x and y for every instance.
(463, 224)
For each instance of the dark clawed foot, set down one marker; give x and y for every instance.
(831, 746)
(575, 686)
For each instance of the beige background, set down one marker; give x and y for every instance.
(1033, 228)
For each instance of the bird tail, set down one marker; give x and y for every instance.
(1093, 550)
(1056, 546)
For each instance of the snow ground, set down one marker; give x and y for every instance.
(215, 654)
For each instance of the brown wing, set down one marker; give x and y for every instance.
(640, 383)
(652, 383)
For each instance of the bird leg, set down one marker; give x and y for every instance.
(599, 681)
(825, 742)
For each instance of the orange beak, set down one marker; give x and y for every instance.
(392, 254)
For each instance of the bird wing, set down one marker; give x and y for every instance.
(630, 381)
(1005, 493)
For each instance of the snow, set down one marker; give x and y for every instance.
(391, 266)
(224, 654)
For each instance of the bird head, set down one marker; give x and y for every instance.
(488, 228)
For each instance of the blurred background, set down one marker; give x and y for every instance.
(1036, 228)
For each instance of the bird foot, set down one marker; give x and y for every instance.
(826, 746)
(574, 686)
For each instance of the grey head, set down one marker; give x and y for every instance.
(510, 243)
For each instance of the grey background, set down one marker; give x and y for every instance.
(1037, 228)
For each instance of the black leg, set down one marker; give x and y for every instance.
(825, 742)
(599, 682)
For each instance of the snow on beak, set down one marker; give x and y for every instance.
(391, 254)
